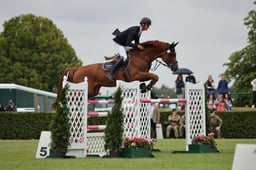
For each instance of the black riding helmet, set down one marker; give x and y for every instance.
(146, 21)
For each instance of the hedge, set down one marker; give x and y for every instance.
(240, 124)
(21, 125)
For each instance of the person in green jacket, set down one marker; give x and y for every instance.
(215, 123)
(174, 120)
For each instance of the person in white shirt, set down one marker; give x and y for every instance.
(253, 83)
(154, 118)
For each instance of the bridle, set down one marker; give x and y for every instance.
(158, 63)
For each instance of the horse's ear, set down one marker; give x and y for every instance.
(176, 44)
(173, 44)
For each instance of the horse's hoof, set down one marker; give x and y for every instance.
(149, 88)
(143, 86)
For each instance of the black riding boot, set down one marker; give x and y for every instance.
(118, 64)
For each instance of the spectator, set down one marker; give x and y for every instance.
(173, 120)
(211, 102)
(167, 105)
(179, 84)
(253, 83)
(2, 108)
(11, 107)
(228, 102)
(161, 105)
(190, 78)
(215, 123)
(223, 86)
(183, 107)
(210, 85)
(154, 118)
(220, 104)
(182, 126)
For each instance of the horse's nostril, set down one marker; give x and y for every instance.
(174, 68)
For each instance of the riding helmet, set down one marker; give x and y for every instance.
(146, 21)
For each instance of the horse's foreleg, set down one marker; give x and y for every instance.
(150, 85)
(144, 76)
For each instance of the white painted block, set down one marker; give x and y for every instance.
(244, 157)
(43, 149)
(159, 131)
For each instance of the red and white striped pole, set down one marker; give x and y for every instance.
(96, 127)
(97, 114)
(182, 100)
(101, 101)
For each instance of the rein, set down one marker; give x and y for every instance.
(157, 64)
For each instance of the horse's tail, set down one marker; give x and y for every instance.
(69, 72)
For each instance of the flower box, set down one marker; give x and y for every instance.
(202, 148)
(136, 152)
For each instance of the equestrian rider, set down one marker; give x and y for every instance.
(123, 42)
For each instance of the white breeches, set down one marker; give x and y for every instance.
(122, 50)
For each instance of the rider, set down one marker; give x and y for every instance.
(123, 42)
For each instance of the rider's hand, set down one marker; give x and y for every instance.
(140, 47)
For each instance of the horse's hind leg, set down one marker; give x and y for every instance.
(96, 90)
(93, 90)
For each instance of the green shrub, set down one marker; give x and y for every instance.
(114, 130)
(15, 125)
(236, 124)
(60, 125)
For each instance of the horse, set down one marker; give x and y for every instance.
(137, 70)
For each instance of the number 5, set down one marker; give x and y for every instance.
(43, 151)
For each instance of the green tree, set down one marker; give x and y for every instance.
(34, 52)
(242, 64)
(60, 125)
(166, 91)
(114, 130)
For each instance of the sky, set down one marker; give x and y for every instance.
(208, 31)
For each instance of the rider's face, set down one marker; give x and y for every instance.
(145, 27)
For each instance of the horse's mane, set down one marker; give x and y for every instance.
(154, 43)
(149, 45)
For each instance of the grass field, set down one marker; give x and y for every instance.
(20, 154)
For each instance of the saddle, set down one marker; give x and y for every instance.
(111, 60)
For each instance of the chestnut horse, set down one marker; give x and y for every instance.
(138, 68)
